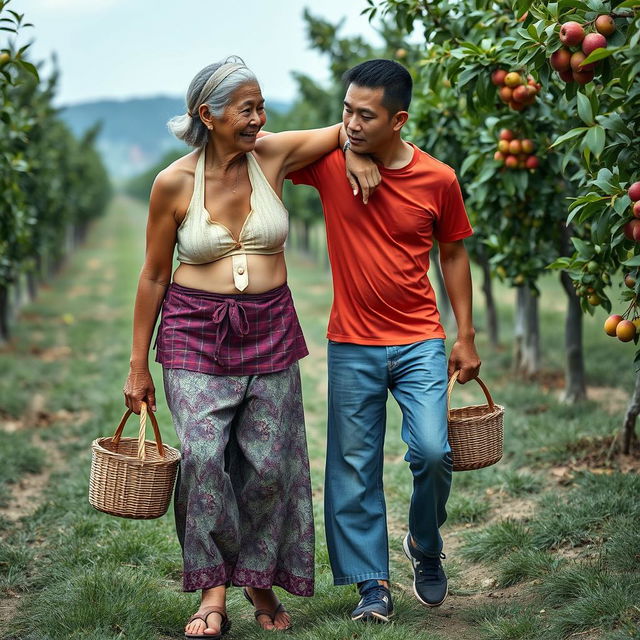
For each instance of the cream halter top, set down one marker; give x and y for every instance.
(201, 239)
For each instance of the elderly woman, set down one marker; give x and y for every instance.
(229, 341)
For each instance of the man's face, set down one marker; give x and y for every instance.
(369, 124)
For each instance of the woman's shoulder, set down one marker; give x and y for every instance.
(178, 176)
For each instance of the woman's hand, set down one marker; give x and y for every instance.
(139, 388)
(363, 173)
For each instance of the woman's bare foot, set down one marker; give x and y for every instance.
(266, 599)
(214, 597)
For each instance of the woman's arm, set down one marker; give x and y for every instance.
(152, 284)
(292, 150)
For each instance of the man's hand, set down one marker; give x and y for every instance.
(362, 172)
(464, 357)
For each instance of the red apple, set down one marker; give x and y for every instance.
(505, 94)
(611, 323)
(632, 229)
(625, 331)
(593, 41)
(528, 146)
(515, 147)
(512, 162)
(605, 25)
(634, 191)
(503, 146)
(507, 134)
(517, 106)
(571, 34)
(532, 162)
(520, 93)
(566, 75)
(583, 77)
(498, 157)
(576, 62)
(498, 76)
(560, 60)
(636, 209)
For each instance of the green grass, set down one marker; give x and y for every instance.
(17, 457)
(569, 565)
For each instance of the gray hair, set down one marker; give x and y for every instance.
(213, 86)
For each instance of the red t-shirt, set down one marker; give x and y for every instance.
(379, 252)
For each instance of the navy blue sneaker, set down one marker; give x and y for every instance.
(375, 604)
(429, 580)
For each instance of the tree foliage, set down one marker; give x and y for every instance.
(51, 185)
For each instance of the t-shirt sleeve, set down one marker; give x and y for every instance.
(453, 223)
(306, 175)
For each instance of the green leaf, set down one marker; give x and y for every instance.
(468, 162)
(632, 262)
(574, 133)
(599, 54)
(560, 263)
(582, 247)
(628, 4)
(573, 4)
(584, 109)
(621, 205)
(27, 66)
(595, 140)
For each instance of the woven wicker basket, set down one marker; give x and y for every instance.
(475, 432)
(132, 477)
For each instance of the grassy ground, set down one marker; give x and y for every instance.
(543, 546)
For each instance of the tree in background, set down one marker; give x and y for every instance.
(51, 184)
(600, 89)
(587, 116)
(515, 198)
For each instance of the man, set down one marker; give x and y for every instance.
(384, 334)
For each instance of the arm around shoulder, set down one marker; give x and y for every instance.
(292, 150)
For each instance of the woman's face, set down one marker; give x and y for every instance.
(243, 117)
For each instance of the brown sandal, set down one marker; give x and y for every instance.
(265, 612)
(203, 614)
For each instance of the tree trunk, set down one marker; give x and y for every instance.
(519, 330)
(492, 312)
(629, 425)
(18, 297)
(442, 297)
(304, 237)
(527, 334)
(575, 380)
(32, 283)
(4, 313)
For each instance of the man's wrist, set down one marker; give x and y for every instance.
(468, 335)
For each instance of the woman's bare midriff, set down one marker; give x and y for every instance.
(266, 272)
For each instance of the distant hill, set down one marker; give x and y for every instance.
(134, 133)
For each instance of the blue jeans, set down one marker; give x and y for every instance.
(355, 511)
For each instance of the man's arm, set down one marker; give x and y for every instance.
(457, 279)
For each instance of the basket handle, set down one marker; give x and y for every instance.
(483, 386)
(141, 432)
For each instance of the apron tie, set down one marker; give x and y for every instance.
(228, 315)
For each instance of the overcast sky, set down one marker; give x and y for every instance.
(135, 48)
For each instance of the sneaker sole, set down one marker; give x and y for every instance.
(405, 546)
(372, 616)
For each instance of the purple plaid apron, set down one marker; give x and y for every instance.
(228, 335)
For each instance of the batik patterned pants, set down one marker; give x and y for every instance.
(243, 497)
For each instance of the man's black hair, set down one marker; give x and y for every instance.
(383, 74)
